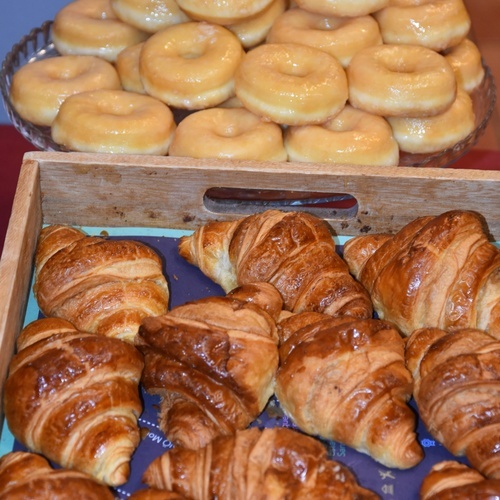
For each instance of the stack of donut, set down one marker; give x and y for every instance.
(330, 81)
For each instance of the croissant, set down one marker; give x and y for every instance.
(435, 272)
(450, 480)
(277, 463)
(294, 251)
(156, 494)
(457, 391)
(213, 362)
(73, 397)
(26, 475)
(100, 285)
(345, 379)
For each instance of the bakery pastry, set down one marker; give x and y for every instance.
(294, 251)
(73, 397)
(345, 379)
(437, 271)
(100, 285)
(213, 362)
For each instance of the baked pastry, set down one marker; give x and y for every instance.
(272, 463)
(450, 479)
(155, 494)
(26, 475)
(100, 285)
(437, 271)
(213, 362)
(345, 379)
(294, 251)
(73, 397)
(457, 391)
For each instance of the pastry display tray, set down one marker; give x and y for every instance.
(159, 199)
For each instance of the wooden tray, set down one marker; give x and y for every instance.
(166, 192)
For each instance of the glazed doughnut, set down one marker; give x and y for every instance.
(149, 15)
(435, 133)
(114, 121)
(437, 24)
(341, 37)
(39, 88)
(401, 80)
(221, 11)
(253, 31)
(465, 59)
(352, 137)
(90, 27)
(191, 65)
(342, 8)
(291, 84)
(233, 133)
(127, 65)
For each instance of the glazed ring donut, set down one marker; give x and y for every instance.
(127, 65)
(233, 133)
(191, 65)
(291, 84)
(341, 37)
(114, 121)
(352, 137)
(401, 80)
(342, 8)
(90, 27)
(149, 15)
(221, 11)
(253, 31)
(465, 59)
(437, 24)
(435, 133)
(39, 88)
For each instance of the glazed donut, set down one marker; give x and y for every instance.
(465, 59)
(233, 133)
(149, 15)
(39, 88)
(114, 121)
(352, 137)
(191, 65)
(253, 31)
(401, 80)
(291, 84)
(90, 27)
(342, 8)
(341, 37)
(127, 65)
(435, 133)
(437, 24)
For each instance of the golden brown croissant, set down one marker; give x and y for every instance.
(435, 272)
(451, 480)
(26, 475)
(457, 391)
(100, 285)
(73, 397)
(276, 463)
(213, 361)
(294, 251)
(345, 379)
(156, 494)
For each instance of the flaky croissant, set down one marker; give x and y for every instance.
(213, 361)
(276, 463)
(450, 480)
(100, 285)
(73, 397)
(345, 379)
(26, 475)
(294, 251)
(457, 390)
(435, 272)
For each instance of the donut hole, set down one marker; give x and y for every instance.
(293, 69)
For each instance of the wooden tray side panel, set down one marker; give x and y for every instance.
(17, 263)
